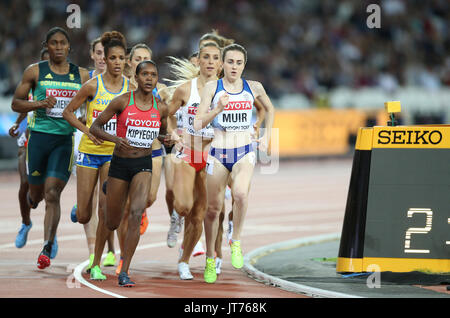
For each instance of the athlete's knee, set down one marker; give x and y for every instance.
(212, 213)
(111, 225)
(52, 195)
(239, 196)
(83, 219)
(183, 207)
(135, 216)
(169, 195)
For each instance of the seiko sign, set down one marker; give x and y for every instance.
(409, 137)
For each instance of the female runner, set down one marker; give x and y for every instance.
(94, 156)
(140, 119)
(231, 155)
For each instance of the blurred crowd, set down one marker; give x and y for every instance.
(294, 46)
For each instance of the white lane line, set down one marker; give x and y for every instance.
(78, 270)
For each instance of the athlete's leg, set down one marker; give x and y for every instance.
(194, 220)
(169, 179)
(23, 189)
(218, 246)
(156, 179)
(241, 176)
(215, 187)
(123, 227)
(110, 217)
(86, 184)
(184, 189)
(139, 189)
(52, 195)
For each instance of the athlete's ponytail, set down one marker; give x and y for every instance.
(113, 39)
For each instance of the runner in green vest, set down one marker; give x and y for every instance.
(50, 145)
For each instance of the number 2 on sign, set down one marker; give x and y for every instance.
(418, 230)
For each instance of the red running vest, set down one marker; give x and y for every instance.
(139, 127)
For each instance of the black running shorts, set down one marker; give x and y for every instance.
(127, 168)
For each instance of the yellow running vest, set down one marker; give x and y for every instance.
(94, 107)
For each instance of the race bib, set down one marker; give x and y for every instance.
(141, 137)
(63, 98)
(236, 116)
(207, 132)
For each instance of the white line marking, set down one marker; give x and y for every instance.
(78, 270)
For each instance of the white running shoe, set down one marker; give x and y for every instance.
(229, 231)
(198, 249)
(180, 223)
(218, 265)
(184, 272)
(172, 235)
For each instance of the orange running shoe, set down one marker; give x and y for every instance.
(144, 222)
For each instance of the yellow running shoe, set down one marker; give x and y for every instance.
(236, 255)
(96, 273)
(210, 275)
(110, 259)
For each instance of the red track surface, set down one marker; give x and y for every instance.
(302, 199)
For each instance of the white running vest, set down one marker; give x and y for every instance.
(237, 115)
(189, 111)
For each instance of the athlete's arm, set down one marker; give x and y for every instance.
(20, 102)
(86, 91)
(116, 106)
(261, 114)
(260, 94)
(12, 131)
(203, 116)
(178, 100)
(163, 130)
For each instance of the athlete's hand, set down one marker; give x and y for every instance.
(122, 144)
(263, 144)
(13, 130)
(255, 133)
(223, 101)
(95, 140)
(49, 102)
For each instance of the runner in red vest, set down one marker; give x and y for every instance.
(140, 119)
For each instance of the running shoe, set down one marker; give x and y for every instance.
(236, 255)
(180, 223)
(184, 272)
(44, 258)
(218, 265)
(96, 273)
(73, 214)
(210, 274)
(125, 281)
(144, 222)
(110, 259)
(91, 261)
(230, 231)
(198, 249)
(22, 236)
(173, 234)
(54, 249)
